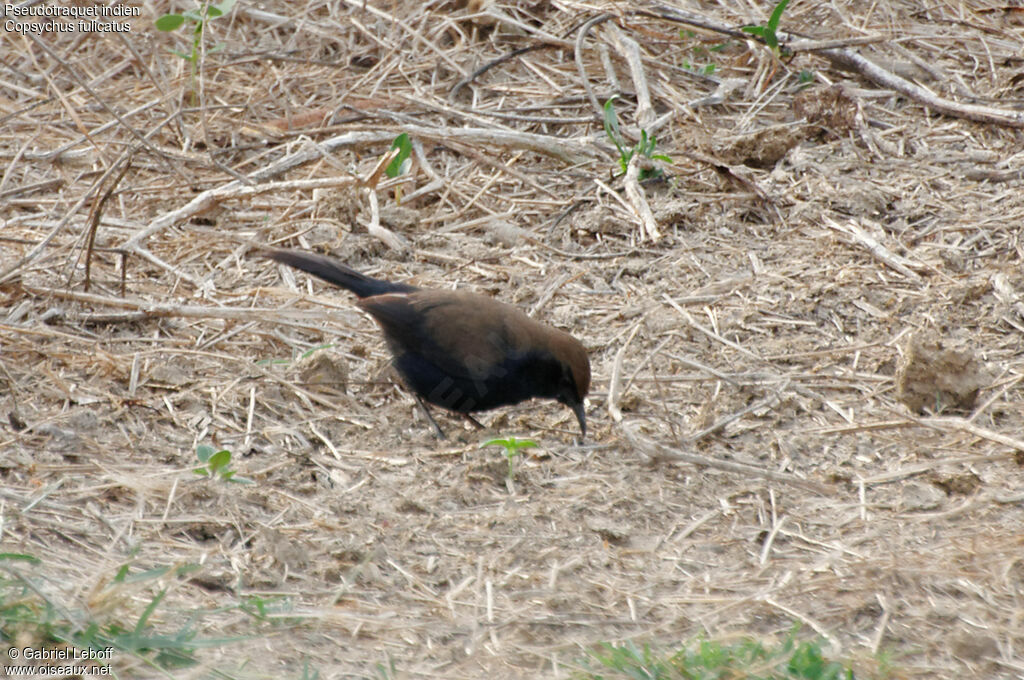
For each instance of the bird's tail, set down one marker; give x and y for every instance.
(332, 271)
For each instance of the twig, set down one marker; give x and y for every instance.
(615, 382)
(578, 55)
(630, 51)
(880, 252)
(638, 201)
(732, 417)
(660, 452)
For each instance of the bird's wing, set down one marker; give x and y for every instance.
(464, 334)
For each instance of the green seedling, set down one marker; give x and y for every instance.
(401, 163)
(172, 22)
(702, 53)
(33, 608)
(645, 147)
(217, 464)
(791, 659)
(512, 450)
(705, 70)
(768, 31)
(197, 18)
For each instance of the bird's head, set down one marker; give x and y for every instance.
(574, 381)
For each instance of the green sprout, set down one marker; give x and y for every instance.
(217, 464)
(645, 147)
(790, 659)
(768, 31)
(401, 163)
(307, 353)
(702, 53)
(512, 450)
(198, 17)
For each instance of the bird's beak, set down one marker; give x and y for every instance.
(581, 415)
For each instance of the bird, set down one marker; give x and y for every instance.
(462, 351)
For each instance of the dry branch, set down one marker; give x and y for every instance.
(660, 452)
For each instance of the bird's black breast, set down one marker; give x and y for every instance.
(516, 378)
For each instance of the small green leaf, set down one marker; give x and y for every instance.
(398, 163)
(169, 22)
(20, 557)
(219, 460)
(313, 350)
(754, 30)
(773, 20)
(147, 575)
(226, 6)
(204, 451)
(611, 124)
(121, 574)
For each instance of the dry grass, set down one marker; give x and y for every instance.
(387, 544)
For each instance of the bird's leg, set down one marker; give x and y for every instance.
(437, 428)
(476, 423)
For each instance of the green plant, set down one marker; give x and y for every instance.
(705, 70)
(198, 18)
(512, 447)
(645, 147)
(707, 659)
(171, 22)
(217, 464)
(308, 352)
(702, 53)
(29, 610)
(768, 31)
(387, 671)
(401, 163)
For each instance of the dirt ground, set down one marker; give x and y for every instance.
(808, 357)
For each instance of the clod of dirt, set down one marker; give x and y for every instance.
(170, 374)
(505, 233)
(830, 107)
(919, 496)
(614, 533)
(933, 378)
(958, 484)
(323, 370)
(399, 217)
(764, 148)
(974, 646)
